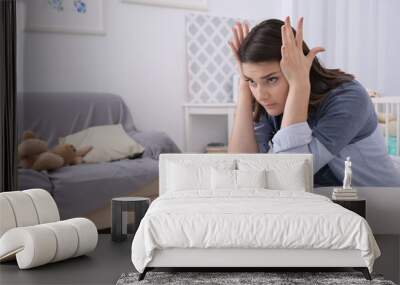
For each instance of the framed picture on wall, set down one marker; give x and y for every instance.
(183, 4)
(65, 16)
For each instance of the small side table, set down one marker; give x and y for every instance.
(119, 215)
(358, 206)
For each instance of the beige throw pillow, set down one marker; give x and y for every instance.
(110, 142)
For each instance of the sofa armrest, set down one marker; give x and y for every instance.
(155, 142)
(29, 178)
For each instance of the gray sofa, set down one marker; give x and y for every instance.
(82, 190)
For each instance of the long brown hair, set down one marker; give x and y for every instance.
(263, 43)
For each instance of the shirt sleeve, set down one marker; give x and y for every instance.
(292, 136)
(343, 117)
(344, 113)
(297, 138)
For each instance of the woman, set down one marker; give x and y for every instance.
(302, 107)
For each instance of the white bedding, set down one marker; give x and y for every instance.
(251, 218)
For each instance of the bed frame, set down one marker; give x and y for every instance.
(248, 259)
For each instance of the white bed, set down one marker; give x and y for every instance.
(250, 226)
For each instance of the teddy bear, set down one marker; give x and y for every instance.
(33, 153)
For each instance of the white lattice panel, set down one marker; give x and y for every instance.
(211, 64)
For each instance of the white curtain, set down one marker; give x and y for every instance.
(360, 37)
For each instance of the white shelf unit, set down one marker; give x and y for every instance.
(227, 109)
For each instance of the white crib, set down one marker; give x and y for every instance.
(388, 111)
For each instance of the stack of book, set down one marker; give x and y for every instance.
(216, 148)
(344, 194)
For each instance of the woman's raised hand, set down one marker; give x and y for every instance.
(294, 64)
(240, 31)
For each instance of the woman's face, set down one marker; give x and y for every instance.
(268, 85)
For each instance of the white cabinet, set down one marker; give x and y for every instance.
(191, 110)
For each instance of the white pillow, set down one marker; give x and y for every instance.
(287, 174)
(183, 178)
(185, 175)
(293, 179)
(110, 142)
(227, 179)
(251, 178)
(223, 179)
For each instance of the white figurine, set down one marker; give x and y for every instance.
(347, 174)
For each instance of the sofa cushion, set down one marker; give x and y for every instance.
(81, 189)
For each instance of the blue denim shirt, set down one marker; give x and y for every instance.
(345, 125)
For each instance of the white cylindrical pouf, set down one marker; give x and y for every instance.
(30, 230)
(87, 233)
(7, 218)
(45, 205)
(23, 208)
(67, 240)
(34, 245)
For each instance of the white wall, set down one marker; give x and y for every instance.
(142, 57)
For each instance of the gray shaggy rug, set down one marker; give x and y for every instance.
(229, 278)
